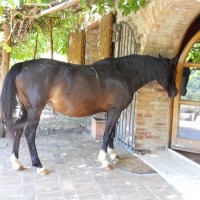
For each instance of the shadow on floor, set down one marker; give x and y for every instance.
(192, 156)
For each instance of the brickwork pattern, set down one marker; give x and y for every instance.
(75, 173)
(70, 154)
(91, 46)
(158, 28)
(151, 118)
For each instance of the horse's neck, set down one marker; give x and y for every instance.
(133, 75)
(137, 82)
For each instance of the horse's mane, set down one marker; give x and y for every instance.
(143, 66)
(146, 67)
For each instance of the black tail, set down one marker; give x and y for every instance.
(9, 92)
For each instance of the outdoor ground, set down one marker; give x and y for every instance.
(68, 151)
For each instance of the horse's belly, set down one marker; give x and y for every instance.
(86, 102)
(74, 109)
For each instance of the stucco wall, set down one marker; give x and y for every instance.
(158, 28)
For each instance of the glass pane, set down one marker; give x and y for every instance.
(189, 122)
(190, 86)
(194, 53)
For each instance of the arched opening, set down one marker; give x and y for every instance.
(186, 112)
(191, 31)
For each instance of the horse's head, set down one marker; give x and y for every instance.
(185, 79)
(168, 80)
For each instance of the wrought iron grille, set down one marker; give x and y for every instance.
(125, 43)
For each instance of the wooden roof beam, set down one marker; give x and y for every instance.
(54, 9)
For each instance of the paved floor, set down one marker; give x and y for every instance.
(180, 172)
(71, 157)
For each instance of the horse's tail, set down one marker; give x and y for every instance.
(8, 101)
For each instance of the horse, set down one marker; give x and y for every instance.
(184, 82)
(107, 86)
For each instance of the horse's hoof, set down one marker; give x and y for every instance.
(16, 164)
(117, 159)
(18, 167)
(113, 155)
(109, 168)
(42, 171)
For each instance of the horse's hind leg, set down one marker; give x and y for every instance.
(113, 116)
(30, 133)
(19, 127)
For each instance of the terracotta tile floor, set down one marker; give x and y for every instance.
(68, 151)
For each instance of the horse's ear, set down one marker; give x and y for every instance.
(160, 56)
(175, 60)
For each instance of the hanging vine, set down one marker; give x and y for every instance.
(28, 19)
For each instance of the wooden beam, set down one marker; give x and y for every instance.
(186, 64)
(54, 9)
(51, 36)
(36, 46)
(5, 55)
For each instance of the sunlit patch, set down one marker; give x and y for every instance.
(82, 166)
(63, 154)
(128, 183)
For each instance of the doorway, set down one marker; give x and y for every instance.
(186, 113)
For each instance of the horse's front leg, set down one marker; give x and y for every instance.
(30, 133)
(113, 116)
(18, 131)
(111, 151)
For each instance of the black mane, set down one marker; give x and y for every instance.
(146, 67)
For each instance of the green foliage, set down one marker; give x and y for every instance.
(83, 4)
(8, 3)
(1, 10)
(193, 86)
(61, 28)
(102, 5)
(62, 22)
(131, 5)
(25, 50)
(6, 47)
(194, 54)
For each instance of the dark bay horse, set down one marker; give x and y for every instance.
(75, 90)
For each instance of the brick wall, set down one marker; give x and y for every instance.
(158, 28)
(152, 108)
(91, 45)
(98, 39)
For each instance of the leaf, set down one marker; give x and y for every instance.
(131, 5)
(6, 47)
(83, 3)
(1, 10)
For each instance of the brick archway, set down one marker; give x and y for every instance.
(161, 25)
(170, 26)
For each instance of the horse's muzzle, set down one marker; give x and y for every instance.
(173, 93)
